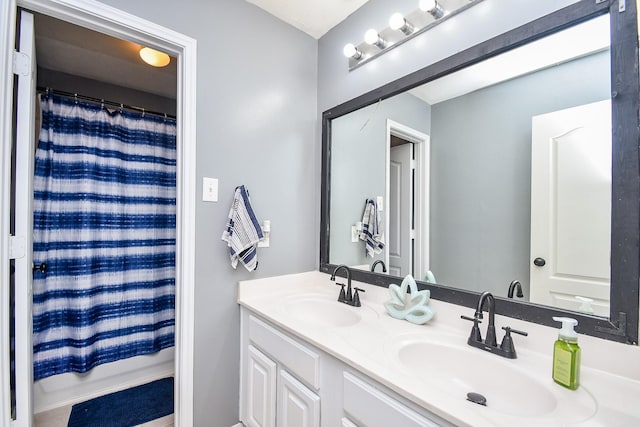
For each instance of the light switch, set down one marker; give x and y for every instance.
(209, 189)
(379, 203)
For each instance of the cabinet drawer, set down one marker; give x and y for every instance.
(298, 359)
(368, 406)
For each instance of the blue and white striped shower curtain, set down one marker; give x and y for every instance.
(104, 224)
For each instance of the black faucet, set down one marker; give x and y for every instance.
(506, 348)
(491, 328)
(346, 296)
(517, 286)
(384, 267)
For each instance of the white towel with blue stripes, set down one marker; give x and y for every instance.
(243, 231)
(372, 230)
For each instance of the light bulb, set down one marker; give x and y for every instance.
(433, 7)
(350, 51)
(397, 21)
(371, 36)
(427, 5)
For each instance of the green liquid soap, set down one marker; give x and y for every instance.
(566, 355)
(566, 363)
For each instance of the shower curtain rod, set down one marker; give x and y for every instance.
(42, 89)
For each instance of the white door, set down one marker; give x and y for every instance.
(297, 405)
(23, 230)
(571, 207)
(259, 390)
(400, 211)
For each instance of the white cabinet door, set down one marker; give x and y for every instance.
(297, 405)
(260, 390)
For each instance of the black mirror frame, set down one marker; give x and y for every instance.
(622, 325)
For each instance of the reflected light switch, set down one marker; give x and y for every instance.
(209, 189)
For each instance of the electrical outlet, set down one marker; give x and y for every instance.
(354, 234)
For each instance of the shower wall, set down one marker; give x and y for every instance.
(70, 388)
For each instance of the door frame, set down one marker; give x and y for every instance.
(422, 149)
(106, 19)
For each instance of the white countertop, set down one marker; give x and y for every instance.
(609, 394)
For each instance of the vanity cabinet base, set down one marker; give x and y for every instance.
(287, 382)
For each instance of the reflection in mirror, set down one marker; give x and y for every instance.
(497, 173)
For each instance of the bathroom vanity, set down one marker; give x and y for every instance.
(309, 360)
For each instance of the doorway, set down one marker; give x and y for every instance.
(407, 211)
(103, 19)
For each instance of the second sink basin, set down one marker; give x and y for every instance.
(458, 370)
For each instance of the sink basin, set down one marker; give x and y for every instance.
(457, 370)
(322, 311)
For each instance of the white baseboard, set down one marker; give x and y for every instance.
(238, 425)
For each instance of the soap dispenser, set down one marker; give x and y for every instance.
(566, 355)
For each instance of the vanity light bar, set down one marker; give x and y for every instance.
(402, 28)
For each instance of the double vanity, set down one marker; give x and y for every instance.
(309, 360)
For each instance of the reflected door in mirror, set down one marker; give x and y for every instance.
(400, 210)
(571, 206)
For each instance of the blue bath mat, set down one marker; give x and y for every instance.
(125, 408)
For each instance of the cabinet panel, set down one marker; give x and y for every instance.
(370, 407)
(298, 359)
(260, 390)
(297, 405)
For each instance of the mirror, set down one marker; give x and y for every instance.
(456, 161)
(459, 169)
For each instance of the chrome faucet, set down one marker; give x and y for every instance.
(347, 296)
(515, 286)
(384, 267)
(506, 348)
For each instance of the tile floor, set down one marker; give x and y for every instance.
(60, 416)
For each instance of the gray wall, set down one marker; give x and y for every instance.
(257, 110)
(358, 165)
(481, 172)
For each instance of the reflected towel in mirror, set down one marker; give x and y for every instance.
(372, 231)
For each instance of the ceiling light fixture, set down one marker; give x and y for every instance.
(433, 7)
(373, 38)
(154, 57)
(398, 22)
(350, 51)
